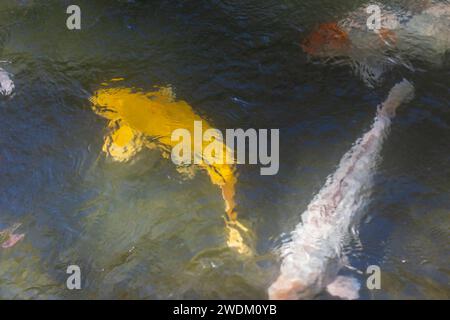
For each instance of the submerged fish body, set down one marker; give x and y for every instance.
(403, 36)
(139, 119)
(426, 36)
(313, 256)
(8, 238)
(6, 84)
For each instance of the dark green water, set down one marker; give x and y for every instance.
(142, 230)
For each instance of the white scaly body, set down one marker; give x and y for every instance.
(313, 256)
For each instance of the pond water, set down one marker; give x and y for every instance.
(141, 229)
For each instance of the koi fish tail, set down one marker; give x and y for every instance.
(237, 233)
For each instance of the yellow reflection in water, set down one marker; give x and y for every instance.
(134, 116)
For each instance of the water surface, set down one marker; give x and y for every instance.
(141, 229)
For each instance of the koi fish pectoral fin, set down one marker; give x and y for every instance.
(344, 287)
(122, 143)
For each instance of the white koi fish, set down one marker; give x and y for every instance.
(313, 257)
(403, 36)
(6, 84)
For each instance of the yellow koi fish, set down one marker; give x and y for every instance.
(136, 117)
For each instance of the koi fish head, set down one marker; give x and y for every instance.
(108, 100)
(287, 288)
(325, 40)
(101, 98)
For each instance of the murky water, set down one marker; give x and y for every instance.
(141, 229)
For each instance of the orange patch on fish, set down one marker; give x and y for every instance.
(326, 37)
(388, 36)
